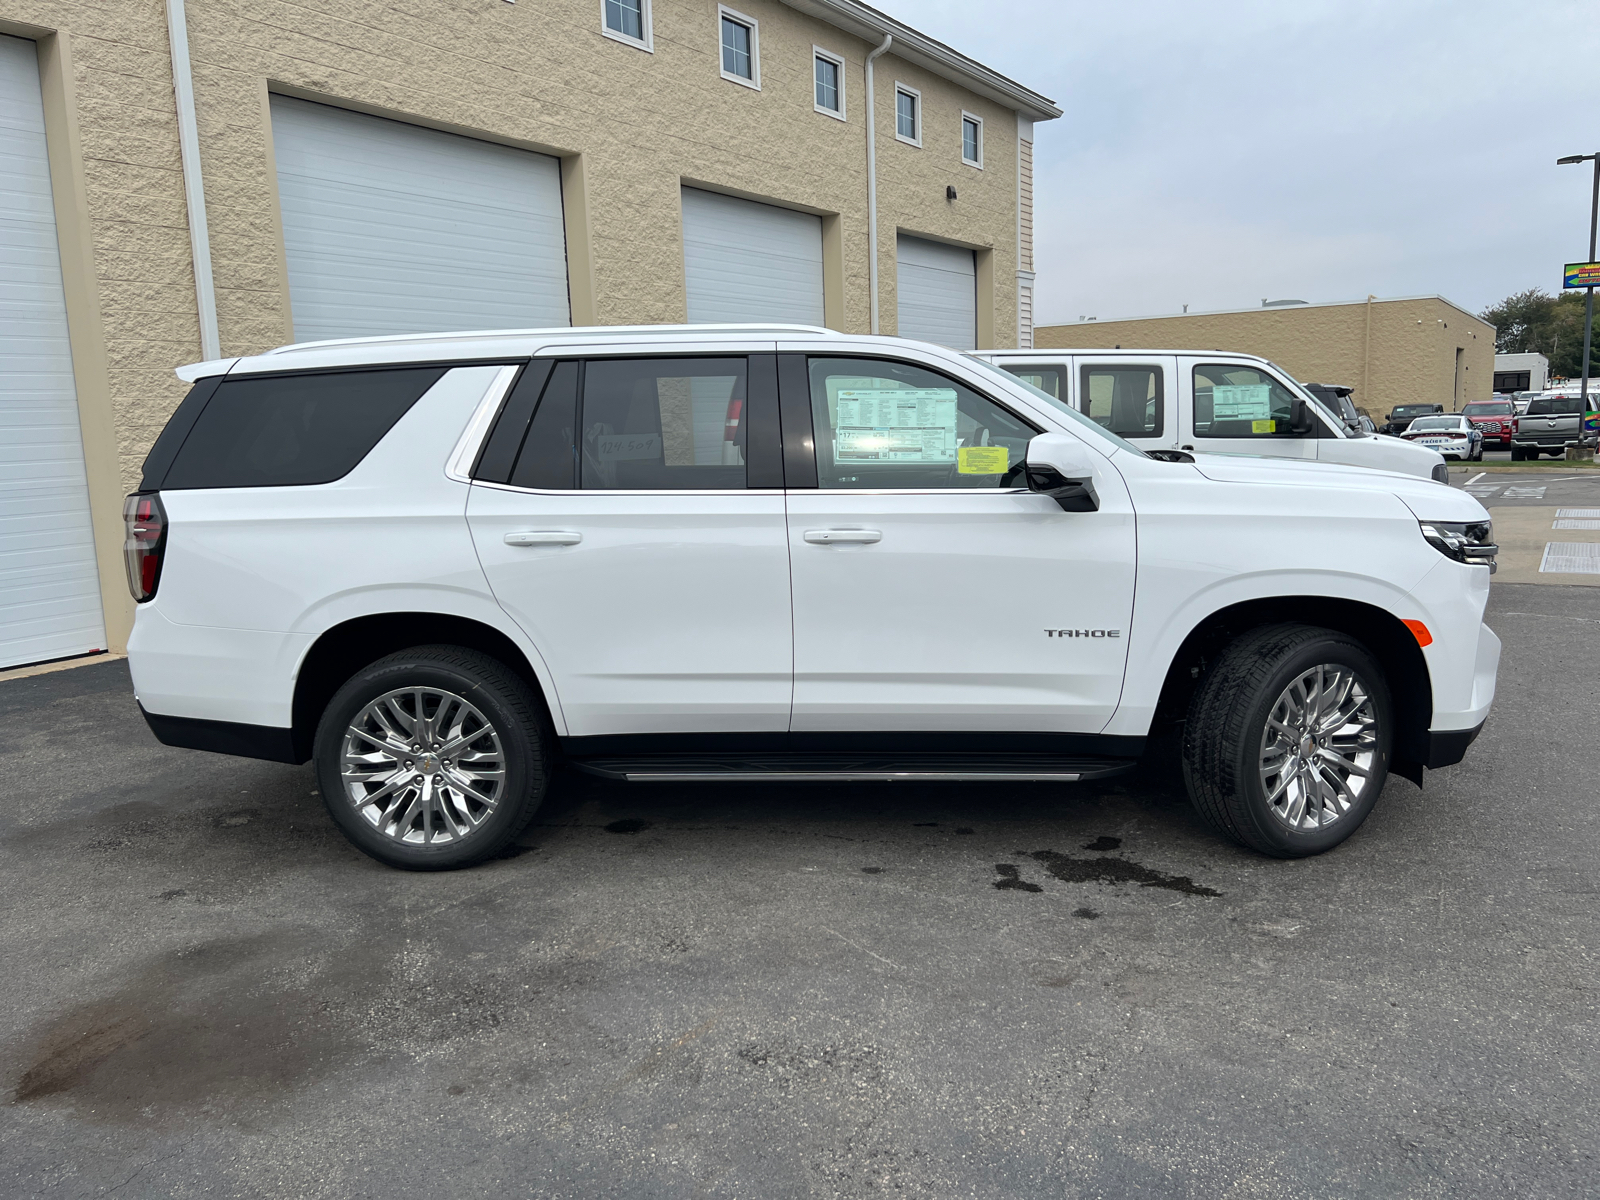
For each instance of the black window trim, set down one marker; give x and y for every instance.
(800, 446)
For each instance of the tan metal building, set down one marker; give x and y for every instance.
(190, 179)
(1413, 350)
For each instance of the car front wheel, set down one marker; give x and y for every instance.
(1288, 739)
(432, 758)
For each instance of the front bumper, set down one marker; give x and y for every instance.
(1448, 747)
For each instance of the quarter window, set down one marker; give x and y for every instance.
(663, 423)
(740, 48)
(828, 72)
(1240, 402)
(1127, 400)
(628, 20)
(908, 114)
(971, 140)
(882, 424)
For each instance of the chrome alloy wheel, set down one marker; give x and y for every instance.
(1319, 747)
(423, 766)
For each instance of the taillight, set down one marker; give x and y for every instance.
(146, 524)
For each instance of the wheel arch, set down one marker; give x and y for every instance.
(1393, 646)
(343, 649)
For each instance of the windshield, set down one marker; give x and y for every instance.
(1412, 410)
(1555, 404)
(1060, 406)
(1491, 408)
(1425, 423)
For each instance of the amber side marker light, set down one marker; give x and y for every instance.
(1420, 632)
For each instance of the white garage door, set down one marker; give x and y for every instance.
(392, 228)
(938, 293)
(744, 261)
(49, 587)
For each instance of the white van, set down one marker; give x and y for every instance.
(1209, 403)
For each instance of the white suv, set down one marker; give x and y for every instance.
(440, 565)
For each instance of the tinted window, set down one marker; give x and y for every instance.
(1556, 404)
(663, 423)
(285, 430)
(549, 455)
(1127, 400)
(1240, 402)
(1415, 410)
(881, 424)
(1424, 423)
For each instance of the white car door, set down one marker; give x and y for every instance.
(932, 591)
(1239, 408)
(637, 536)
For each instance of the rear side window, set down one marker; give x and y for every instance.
(1127, 400)
(662, 423)
(1046, 379)
(288, 430)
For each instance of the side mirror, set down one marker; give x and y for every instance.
(1063, 469)
(1300, 419)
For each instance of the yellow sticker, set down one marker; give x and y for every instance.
(1263, 426)
(983, 460)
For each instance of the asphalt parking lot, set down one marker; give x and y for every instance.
(803, 991)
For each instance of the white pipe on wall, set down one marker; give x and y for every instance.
(872, 186)
(193, 189)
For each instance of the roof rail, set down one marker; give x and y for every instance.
(562, 331)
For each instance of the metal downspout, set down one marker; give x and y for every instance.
(872, 185)
(193, 189)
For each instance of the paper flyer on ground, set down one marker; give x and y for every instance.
(904, 425)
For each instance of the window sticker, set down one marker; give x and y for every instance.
(1241, 402)
(904, 425)
(1263, 426)
(983, 460)
(628, 447)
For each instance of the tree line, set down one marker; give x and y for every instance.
(1535, 322)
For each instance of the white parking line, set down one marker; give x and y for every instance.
(1475, 479)
(1571, 558)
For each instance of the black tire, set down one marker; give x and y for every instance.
(1517, 454)
(512, 730)
(1223, 739)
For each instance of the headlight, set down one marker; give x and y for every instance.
(1468, 542)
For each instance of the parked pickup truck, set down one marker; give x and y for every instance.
(1402, 416)
(1548, 427)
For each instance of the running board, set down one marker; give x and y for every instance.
(818, 768)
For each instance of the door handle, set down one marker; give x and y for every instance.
(827, 537)
(543, 537)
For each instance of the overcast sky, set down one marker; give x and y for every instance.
(1221, 152)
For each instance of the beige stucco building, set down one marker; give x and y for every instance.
(1418, 350)
(220, 178)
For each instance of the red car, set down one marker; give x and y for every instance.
(1495, 419)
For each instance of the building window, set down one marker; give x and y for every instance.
(972, 140)
(741, 48)
(828, 72)
(627, 21)
(908, 114)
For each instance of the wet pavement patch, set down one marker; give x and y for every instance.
(628, 825)
(1010, 880)
(1088, 914)
(1115, 870)
(1103, 843)
(872, 870)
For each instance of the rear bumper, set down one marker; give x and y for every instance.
(224, 737)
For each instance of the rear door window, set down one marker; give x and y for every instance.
(663, 423)
(293, 430)
(1125, 398)
(1047, 379)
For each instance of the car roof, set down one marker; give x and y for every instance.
(477, 345)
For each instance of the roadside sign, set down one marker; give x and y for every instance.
(1581, 275)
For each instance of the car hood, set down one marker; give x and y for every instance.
(1430, 501)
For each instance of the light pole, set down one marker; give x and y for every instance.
(1588, 304)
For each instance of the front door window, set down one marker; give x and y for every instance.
(1234, 401)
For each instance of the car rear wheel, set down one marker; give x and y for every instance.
(432, 758)
(1288, 739)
